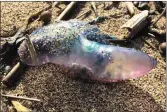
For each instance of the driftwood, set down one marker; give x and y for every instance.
(163, 12)
(67, 10)
(85, 13)
(31, 49)
(20, 97)
(93, 5)
(130, 8)
(55, 4)
(136, 23)
(147, 42)
(151, 35)
(13, 74)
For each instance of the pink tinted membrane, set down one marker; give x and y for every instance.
(141, 67)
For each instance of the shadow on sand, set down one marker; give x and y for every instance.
(48, 83)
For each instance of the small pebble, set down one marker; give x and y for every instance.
(151, 12)
(162, 47)
(7, 69)
(136, 3)
(108, 6)
(45, 17)
(55, 4)
(11, 109)
(142, 5)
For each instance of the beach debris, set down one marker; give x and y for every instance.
(153, 12)
(108, 5)
(160, 5)
(157, 31)
(147, 42)
(55, 4)
(123, 41)
(162, 47)
(35, 16)
(7, 51)
(17, 38)
(7, 69)
(151, 35)
(136, 24)
(83, 45)
(136, 3)
(97, 20)
(93, 6)
(11, 109)
(130, 8)
(12, 42)
(1, 72)
(4, 47)
(67, 10)
(64, 2)
(9, 45)
(45, 17)
(84, 14)
(19, 107)
(31, 49)
(20, 97)
(111, 4)
(13, 75)
(141, 4)
(163, 12)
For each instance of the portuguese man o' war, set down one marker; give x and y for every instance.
(76, 43)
